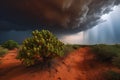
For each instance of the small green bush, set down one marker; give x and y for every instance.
(111, 75)
(10, 44)
(42, 46)
(2, 51)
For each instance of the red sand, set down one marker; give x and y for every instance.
(74, 66)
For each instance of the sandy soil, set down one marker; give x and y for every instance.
(77, 65)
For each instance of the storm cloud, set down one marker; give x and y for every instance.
(68, 16)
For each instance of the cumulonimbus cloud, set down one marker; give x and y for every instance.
(56, 15)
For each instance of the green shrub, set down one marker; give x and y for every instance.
(117, 45)
(42, 46)
(10, 44)
(116, 61)
(76, 46)
(68, 48)
(2, 51)
(111, 75)
(105, 53)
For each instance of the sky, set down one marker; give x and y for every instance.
(72, 21)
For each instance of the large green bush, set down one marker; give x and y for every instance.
(41, 46)
(10, 44)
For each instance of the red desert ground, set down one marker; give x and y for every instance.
(78, 65)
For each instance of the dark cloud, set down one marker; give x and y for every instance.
(55, 15)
